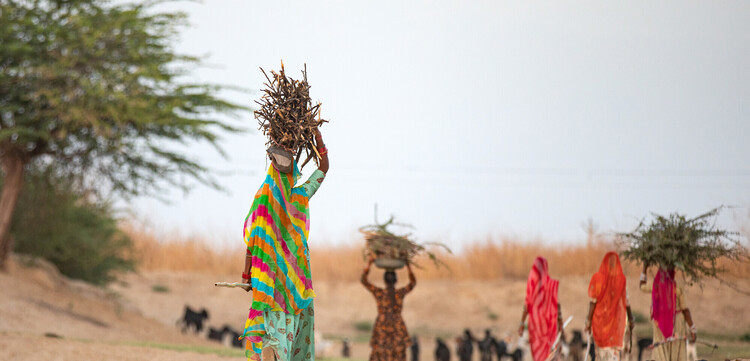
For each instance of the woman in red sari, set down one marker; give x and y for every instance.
(543, 310)
(607, 310)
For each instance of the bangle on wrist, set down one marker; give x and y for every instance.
(643, 277)
(245, 276)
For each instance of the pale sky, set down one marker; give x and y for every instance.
(471, 119)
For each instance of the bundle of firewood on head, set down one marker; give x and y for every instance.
(392, 251)
(693, 245)
(287, 115)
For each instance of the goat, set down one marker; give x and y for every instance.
(441, 351)
(192, 318)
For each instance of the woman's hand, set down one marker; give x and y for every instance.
(322, 150)
(246, 288)
(520, 330)
(370, 260)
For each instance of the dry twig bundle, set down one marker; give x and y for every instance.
(287, 115)
(380, 242)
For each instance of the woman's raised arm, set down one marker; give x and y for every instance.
(365, 273)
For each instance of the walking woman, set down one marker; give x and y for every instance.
(543, 310)
(277, 264)
(607, 310)
(389, 335)
(672, 322)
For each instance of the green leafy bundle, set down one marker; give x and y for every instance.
(692, 245)
(381, 242)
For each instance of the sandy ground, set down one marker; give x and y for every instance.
(30, 347)
(98, 324)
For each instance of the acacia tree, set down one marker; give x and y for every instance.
(97, 89)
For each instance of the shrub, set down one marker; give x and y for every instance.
(56, 221)
(160, 289)
(363, 326)
(639, 317)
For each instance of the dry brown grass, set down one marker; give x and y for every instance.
(502, 258)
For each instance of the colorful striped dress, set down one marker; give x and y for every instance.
(275, 233)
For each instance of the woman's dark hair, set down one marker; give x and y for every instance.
(390, 278)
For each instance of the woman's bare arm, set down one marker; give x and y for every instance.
(323, 166)
(365, 273)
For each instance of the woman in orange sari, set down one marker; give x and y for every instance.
(607, 310)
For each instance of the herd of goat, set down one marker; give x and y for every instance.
(192, 319)
(489, 347)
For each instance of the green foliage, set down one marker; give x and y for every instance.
(693, 245)
(639, 317)
(53, 220)
(160, 289)
(745, 337)
(492, 316)
(96, 86)
(363, 326)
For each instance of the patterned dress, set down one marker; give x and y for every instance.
(389, 335)
(281, 317)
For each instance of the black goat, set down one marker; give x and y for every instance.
(501, 349)
(192, 318)
(441, 351)
(485, 346)
(216, 334)
(346, 350)
(465, 346)
(414, 348)
(235, 337)
(643, 343)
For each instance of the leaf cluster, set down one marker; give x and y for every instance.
(692, 245)
(382, 242)
(97, 87)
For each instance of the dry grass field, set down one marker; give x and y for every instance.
(490, 260)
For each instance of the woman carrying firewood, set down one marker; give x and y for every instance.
(277, 264)
(543, 311)
(608, 309)
(672, 322)
(390, 338)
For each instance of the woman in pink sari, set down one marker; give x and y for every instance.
(673, 324)
(542, 309)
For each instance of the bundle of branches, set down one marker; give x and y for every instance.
(381, 242)
(692, 245)
(287, 115)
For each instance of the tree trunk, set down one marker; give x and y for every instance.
(13, 168)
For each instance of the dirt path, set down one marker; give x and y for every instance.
(32, 348)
